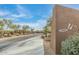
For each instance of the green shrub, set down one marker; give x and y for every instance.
(70, 46)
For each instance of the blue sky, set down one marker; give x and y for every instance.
(34, 15)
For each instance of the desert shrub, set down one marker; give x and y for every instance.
(1, 33)
(70, 46)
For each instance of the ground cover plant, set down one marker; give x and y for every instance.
(70, 46)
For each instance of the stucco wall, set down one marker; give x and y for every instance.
(65, 23)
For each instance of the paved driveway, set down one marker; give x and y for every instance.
(29, 46)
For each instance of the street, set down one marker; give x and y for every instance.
(28, 46)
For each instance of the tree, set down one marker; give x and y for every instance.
(47, 28)
(17, 27)
(8, 22)
(13, 26)
(25, 27)
(32, 30)
(1, 26)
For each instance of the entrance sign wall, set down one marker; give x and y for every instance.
(65, 23)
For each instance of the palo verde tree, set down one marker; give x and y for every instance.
(14, 26)
(1, 25)
(26, 27)
(47, 27)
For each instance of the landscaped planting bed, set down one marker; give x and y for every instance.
(10, 33)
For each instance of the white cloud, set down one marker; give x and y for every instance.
(22, 12)
(17, 15)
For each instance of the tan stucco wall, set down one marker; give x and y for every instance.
(65, 23)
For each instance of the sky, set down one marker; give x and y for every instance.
(34, 15)
(74, 6)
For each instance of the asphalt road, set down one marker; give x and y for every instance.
(28, 46)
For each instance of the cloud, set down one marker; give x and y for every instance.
(18, 15)
(22, 12)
